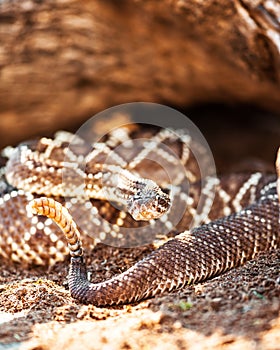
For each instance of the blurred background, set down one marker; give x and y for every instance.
(218, 62)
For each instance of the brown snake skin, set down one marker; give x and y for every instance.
(243, 220)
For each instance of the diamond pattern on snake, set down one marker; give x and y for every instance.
(117, 191)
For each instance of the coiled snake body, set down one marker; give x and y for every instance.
(243, 220)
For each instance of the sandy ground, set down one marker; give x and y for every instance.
(238, 310)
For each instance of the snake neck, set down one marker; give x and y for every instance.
(191, 257)
(140, 197)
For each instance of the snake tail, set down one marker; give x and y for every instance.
(191, 257)
(60, 215)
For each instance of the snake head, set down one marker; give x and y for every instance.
(148, 204)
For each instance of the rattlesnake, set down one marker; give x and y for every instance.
(243, 220)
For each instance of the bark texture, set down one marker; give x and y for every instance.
(62, 61)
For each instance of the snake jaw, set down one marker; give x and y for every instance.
(151, 206)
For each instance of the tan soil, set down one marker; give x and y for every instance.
(238, 310)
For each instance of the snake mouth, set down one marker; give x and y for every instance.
(144, 215)
(147, 210)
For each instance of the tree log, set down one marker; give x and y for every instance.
(62, 61)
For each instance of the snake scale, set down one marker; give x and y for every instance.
(242, 220)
